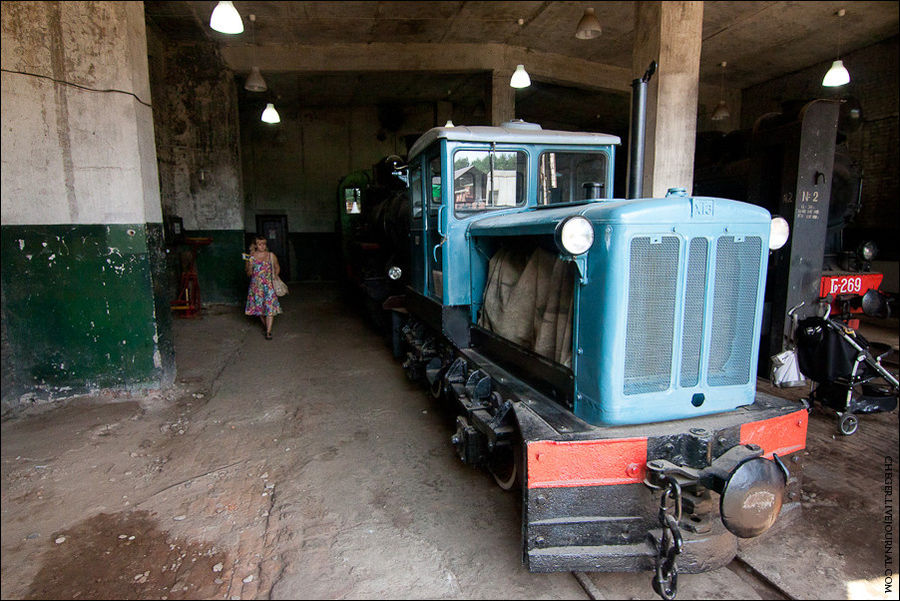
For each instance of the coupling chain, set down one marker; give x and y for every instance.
(670, 543)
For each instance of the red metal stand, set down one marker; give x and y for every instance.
(188, 302)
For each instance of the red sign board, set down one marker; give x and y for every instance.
(849, 283)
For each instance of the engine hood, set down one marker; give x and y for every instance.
(672, 210)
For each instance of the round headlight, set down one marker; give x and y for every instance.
(867, 251)
(575, 235)
(394, 273)
(779, 230)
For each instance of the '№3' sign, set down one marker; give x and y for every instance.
(701, 207)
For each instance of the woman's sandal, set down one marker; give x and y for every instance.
(268, 335)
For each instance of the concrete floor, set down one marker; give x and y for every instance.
(309, 467)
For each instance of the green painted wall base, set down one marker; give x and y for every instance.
(84, 307)
(220, 268)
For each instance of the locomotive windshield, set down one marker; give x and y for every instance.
(415, 185)
(488, 179)
(571, 176)
(434, 168)
(352, 201)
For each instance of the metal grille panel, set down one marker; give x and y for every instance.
(694, 313)
(734, 310)
(651, 313)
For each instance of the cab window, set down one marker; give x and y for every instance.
(434, 172)
(352, 205)
(571, 177)
(488, 179)
(415, 186)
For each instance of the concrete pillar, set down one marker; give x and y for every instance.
(84, 303)
(195, 107)
(671, 34)
(503, 98)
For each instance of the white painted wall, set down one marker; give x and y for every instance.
(72, 155)
(294, 168)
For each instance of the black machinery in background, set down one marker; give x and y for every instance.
(373, 206)
(791, 164)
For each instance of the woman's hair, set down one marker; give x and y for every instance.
(259, 237)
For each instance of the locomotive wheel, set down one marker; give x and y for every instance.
(507, 467)
(847, 424)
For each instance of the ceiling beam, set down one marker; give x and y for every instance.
(460, 58)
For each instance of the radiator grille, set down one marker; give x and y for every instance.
(694, 313)
(651, 313)
(734, 310)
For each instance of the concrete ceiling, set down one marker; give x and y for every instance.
(759, 40)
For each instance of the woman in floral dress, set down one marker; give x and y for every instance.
(262, 266)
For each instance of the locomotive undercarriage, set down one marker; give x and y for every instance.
(669, 506)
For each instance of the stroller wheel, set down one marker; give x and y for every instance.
(847, 424)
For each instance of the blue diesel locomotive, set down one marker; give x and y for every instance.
(601, 353)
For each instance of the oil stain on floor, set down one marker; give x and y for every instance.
(126, 556)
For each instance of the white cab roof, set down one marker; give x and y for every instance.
(510, 132)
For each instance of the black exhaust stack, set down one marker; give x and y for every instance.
(636, 141)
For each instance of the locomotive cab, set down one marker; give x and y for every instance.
(600, 352)
(458, 175)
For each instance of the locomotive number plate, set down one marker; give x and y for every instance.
(849, 284)
(701, 207)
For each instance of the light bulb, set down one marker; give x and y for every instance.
(255, 82)
(226, 19)
(721, 112)
(270, 115)
(837, 75)
(589, 26)
(520, 78)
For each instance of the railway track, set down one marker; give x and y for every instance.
(759, 581)
(764, 587)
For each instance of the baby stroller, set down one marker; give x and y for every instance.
(847, 368)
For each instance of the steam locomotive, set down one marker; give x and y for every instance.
(601, 354)
(765, 165)
(373, 224)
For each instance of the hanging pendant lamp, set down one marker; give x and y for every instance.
(270, 115)
(589, 26)
(520, 78)
(837, 75)
(255, 82)
(721, 113)
(226, 19)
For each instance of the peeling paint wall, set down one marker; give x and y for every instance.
(197, 145)
(196, 119)
(84, 314)
(81, 214)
